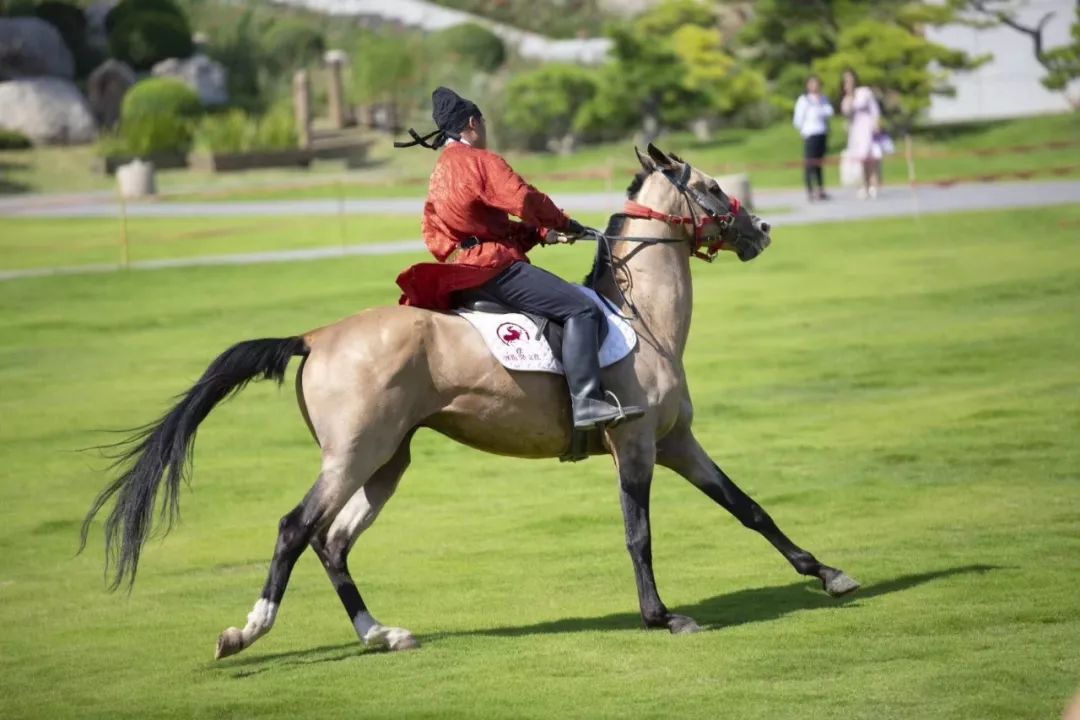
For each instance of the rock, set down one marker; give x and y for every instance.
(206, 77)
(136, 179)
(31, 47)
(46, 110)
(105, 89)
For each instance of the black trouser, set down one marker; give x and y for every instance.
(528, 288)
(813, 154)
(532, 290)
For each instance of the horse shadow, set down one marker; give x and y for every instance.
(728, 610)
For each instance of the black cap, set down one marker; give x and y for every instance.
(451, 114)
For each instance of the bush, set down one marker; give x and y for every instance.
(471, 44)
(12, 140)
(156, 97)
(145, 38)
(236, 132)
(158, 115)
(544, 104)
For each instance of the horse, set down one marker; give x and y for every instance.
(427, 369)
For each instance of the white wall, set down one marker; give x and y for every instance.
(1007, 86)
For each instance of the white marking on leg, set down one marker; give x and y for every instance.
(375, 635)
(259, 621)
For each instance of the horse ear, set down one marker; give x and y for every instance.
(660, 157)
(646, 163)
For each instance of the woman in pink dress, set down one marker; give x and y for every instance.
(861, 109)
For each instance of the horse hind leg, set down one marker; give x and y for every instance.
(294, 533)
(333, 546)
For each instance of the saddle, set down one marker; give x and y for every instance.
(478, 300)
(529, 343)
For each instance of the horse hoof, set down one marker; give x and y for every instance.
(404, 642)
(390, 638)
(682, 625)
(840, 583)
(229, 643)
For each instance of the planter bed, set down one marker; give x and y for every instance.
(232, 162)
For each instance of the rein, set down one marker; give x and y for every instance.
(703, 246)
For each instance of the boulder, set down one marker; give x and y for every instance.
(206, 77)
(31, 47)
(105, 89)
(46, 110)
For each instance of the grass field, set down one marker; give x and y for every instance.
(943, 152)
(903, 398)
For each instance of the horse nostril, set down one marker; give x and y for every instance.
(764, 227)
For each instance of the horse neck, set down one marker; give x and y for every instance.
(660, 286)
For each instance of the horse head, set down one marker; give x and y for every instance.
(717, 221)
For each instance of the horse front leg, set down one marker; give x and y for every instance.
(634, 463)
(680, 451)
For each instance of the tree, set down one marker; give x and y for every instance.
(669, 67)
(386, 71)
(1063, 63)
(543, 105)
(143, 39)
(783, 39)
(470, 44)
(904, 67)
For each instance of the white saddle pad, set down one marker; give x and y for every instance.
(517, 343)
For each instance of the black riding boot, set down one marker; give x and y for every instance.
(580, 357)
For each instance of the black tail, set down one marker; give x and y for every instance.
(162, 450)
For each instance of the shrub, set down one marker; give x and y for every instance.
(145, 38)
(158, 115)
(164, 134)
(236, 131)
(471, 44)
(543, 105)
(159, 96)
(13, 140)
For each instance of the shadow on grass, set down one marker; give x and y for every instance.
(737, 608)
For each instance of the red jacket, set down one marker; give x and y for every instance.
(470, 194)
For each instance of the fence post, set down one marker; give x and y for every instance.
(302, 108)
(125, 255)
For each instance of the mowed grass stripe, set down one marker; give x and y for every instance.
(902, 397)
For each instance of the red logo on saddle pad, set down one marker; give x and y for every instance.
(511, 333)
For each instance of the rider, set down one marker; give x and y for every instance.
(467, 230)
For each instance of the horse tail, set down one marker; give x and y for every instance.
(163, 450)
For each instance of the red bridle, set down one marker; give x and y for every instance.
(711, 247)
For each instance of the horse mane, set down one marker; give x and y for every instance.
(614, 227)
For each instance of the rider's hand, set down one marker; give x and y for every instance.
(558, 237)
(574, 229)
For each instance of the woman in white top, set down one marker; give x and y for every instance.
(861, 109)
(812, 113)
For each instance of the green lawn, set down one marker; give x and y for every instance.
(404, 172)
(53, 242)
(902, 397)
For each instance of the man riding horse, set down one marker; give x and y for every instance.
(467, 230)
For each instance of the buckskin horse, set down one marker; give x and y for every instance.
(431, 369)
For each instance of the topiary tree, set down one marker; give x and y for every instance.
(544, 104)
(470, 44)
(158, 115)
(145, 38)
(70, 22)
(127, 8)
